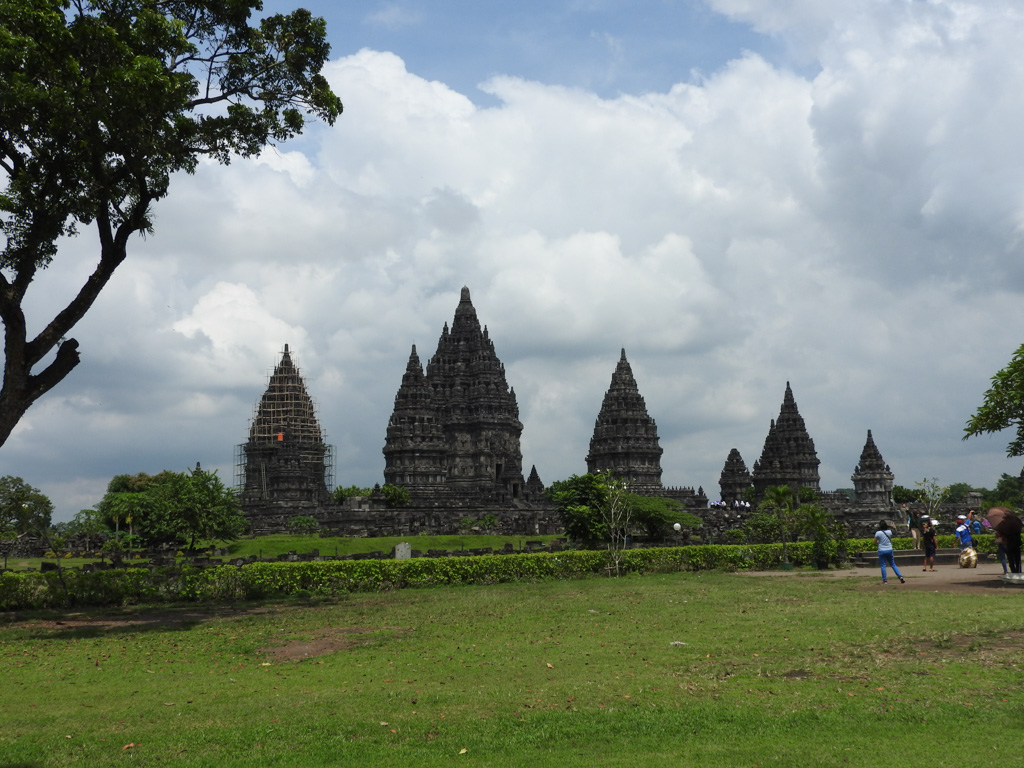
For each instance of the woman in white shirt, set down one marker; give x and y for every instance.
(884, 536)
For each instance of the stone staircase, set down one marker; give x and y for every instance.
(914, 558)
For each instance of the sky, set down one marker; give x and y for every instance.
(740, 194)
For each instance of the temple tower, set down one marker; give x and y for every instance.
(534, 488)
(872, 479)
(788, 457)
(286, 459)
(734, 481)
(474, 414)
(414, 452)
(625, 441)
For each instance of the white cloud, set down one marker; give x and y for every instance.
(854, 229)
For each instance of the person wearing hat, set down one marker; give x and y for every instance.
(963, 532)
(930, 545)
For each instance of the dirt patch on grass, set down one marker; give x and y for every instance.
(324, 642)
(91, 624)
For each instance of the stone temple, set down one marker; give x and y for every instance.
(455, 429)
(625, 442)
(788, 457)
(453, 442)
(286, 463)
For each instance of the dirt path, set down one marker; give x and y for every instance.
(985, 579)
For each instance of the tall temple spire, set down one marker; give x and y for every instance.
(474, 409)
(286, 458)
(788, 457)
(625, 440)
(414, 424)
(735, 479)
(872, 479)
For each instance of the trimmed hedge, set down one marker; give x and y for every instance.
(255, 581)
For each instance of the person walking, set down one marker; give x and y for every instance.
(883, 536)
(930, 545)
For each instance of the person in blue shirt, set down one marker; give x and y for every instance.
(963, 532)
(883, 536)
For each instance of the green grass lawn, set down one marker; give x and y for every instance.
(707, 669)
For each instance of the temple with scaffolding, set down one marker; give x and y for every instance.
(286, 464)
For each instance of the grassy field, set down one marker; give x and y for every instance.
(706, 669)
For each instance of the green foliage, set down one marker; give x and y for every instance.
(257, 581)
(303, 524)
(579, 501)
(395, 495)
(203, 508)
(825, 533)
(587, 505)
(932, 494)
(656, 515)
(902, 495)
(763, 527)
(340, 494)
(87, 524)
(1009, 492)
(101, 103)
(23, 508)
(172, 508)
(1003, 405)
(956, 493)
(780, 501)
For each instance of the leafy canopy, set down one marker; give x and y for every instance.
(1003, 405)
(101, 102)
(23, 508)
(588, 515)
(173, 508)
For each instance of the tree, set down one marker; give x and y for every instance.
(87, 524)
(23, 510)
(101, 101)
(340, 494)
(956, 492)
(780, 501)
(657, 514)
(202, 508)
(825, 532)
(395, 495)
(1003, 405)
(578, 501)
(171, 508)
(763, 527)
(138, 504)
(901, 495)
(1009, 492)
(599, 509)
(932, 494)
